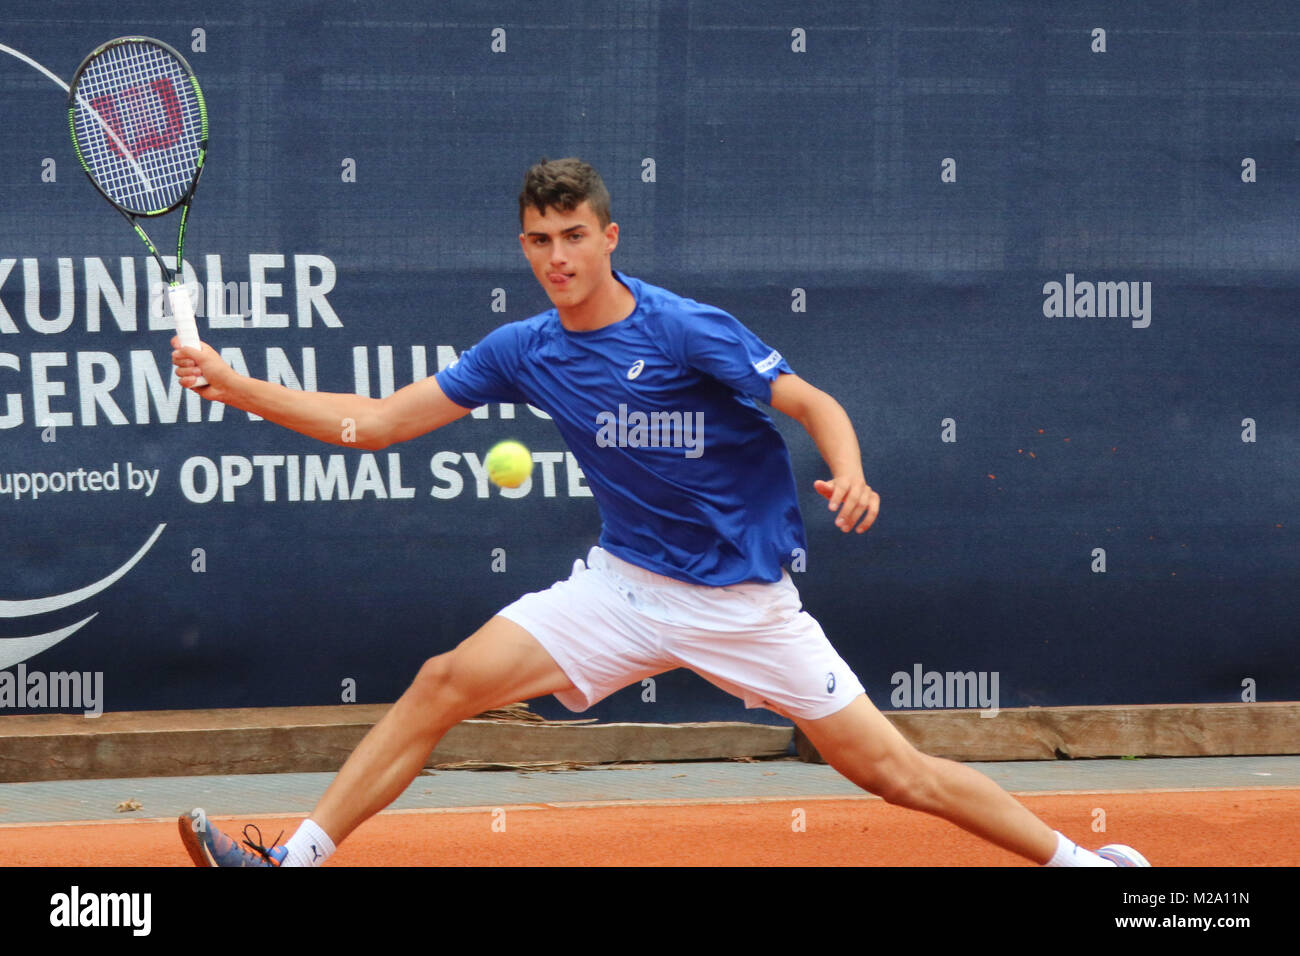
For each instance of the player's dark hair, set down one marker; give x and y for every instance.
(564, 184)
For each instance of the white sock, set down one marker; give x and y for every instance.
(1071, 854)
(309, 846)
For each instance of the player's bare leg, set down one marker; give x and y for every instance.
(499, 664)
(862, 744)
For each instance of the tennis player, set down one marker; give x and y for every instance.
(699, 517)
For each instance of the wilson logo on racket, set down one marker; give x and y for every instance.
(155, 118)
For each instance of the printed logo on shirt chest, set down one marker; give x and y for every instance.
(647, 380)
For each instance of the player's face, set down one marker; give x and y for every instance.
(569, 251)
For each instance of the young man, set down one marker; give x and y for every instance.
(689, 571)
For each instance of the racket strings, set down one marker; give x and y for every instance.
(139, 125)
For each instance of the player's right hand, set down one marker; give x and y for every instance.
(204, 361)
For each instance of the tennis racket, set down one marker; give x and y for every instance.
(140, 128)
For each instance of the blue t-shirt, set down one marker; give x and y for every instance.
(692, 478)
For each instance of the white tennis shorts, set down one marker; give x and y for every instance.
(611, 624)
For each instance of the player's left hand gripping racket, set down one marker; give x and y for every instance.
(140, 128)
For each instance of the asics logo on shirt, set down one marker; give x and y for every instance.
(636, 368)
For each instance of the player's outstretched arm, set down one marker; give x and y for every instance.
(825, 420)
(334, 417)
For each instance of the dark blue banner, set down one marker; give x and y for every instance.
(1043, 254)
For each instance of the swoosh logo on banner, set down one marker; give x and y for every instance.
(16, 649)
(56, 602)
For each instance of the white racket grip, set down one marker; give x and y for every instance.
(178, 296)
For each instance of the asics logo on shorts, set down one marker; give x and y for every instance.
(636, 368)
(830, 682)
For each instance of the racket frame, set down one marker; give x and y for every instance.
(182, 308)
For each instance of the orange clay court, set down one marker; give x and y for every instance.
(1253, 826)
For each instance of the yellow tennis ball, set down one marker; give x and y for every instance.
(509, 464)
